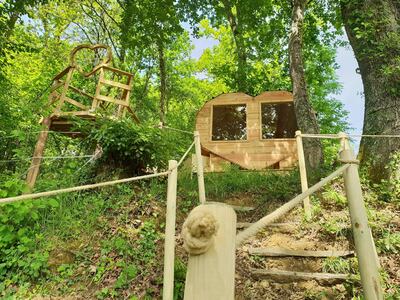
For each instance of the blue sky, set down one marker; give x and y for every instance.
(352, 89)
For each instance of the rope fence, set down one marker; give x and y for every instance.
(47, 157)
(338, 136)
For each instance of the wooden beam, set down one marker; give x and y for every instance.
(284, 276)
(115, 84)
(76, 103)
(242, 225)
(33, 170)
(277, 251)
(211, 275)
(117, 71)
(111, 100)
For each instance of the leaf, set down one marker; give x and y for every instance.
(53, 203)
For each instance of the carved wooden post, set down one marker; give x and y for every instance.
(169, 246)
(211, 275)
(200, 169)
(33, 171)
(364, 243)
(303, 173)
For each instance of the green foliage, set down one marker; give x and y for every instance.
(128, 145)
(389, 242)
(179, 279)
(19, 236)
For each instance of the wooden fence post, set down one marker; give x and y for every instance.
(364, 243)
(303, 174)
(33, 171)
(200, 169)
(169, 246)
(211, 275)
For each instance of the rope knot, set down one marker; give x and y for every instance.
(199, 230)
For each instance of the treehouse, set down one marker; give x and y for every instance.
(88, 87)
(254, 133)
(103, 89)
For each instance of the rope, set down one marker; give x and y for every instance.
(198, 230)
(79, 188)
(260, 224)
(184, 155)
(47, 157)
(336, 136)
(161, 126)
(48, 131)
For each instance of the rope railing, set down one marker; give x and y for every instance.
(263, 222)
(47, 157)
(90, 186)
(78, 188)
(41, 131)
(185, 154)
(338, 136)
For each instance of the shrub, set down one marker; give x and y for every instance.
(125, 144)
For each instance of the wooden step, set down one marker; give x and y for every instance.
(277, 251)
(287, 276)
(242, 225)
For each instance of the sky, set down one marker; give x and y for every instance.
(352, 89)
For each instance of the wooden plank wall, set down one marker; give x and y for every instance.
(254, 153)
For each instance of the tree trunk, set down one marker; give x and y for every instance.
(235, 25)
(373, 29)
(306, 119)
(163, 81)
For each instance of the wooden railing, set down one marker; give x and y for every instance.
(364, 244)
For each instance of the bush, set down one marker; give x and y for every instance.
(133, 147)
(19, 236)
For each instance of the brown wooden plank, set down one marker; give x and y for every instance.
(117, 71)
(76, 103)
(284, 276)
(278, 251)
(62, 73)
(115, 84)
(76, 90)
(242, 225)
(111, 100)
(274, 96)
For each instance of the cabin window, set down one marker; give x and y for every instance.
(229, 122)
(278, 120)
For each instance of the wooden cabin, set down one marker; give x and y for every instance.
(254, 133)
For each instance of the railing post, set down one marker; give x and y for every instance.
(169, 246)
(33, 170)
(200, 170)
(303, 174)
(364, 243)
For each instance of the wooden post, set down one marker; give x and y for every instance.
(211, 275)
(364, 243)
(303, 174)
(200, 169)
(33, 170)
(169, 246)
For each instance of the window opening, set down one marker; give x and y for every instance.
(229, 122)
(278, 120)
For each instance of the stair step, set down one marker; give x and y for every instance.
(277, 251)
(241, 208)
(242, 225)
(285, 276)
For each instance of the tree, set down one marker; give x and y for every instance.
(150, 27)
(373, 29)
(306, 119)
